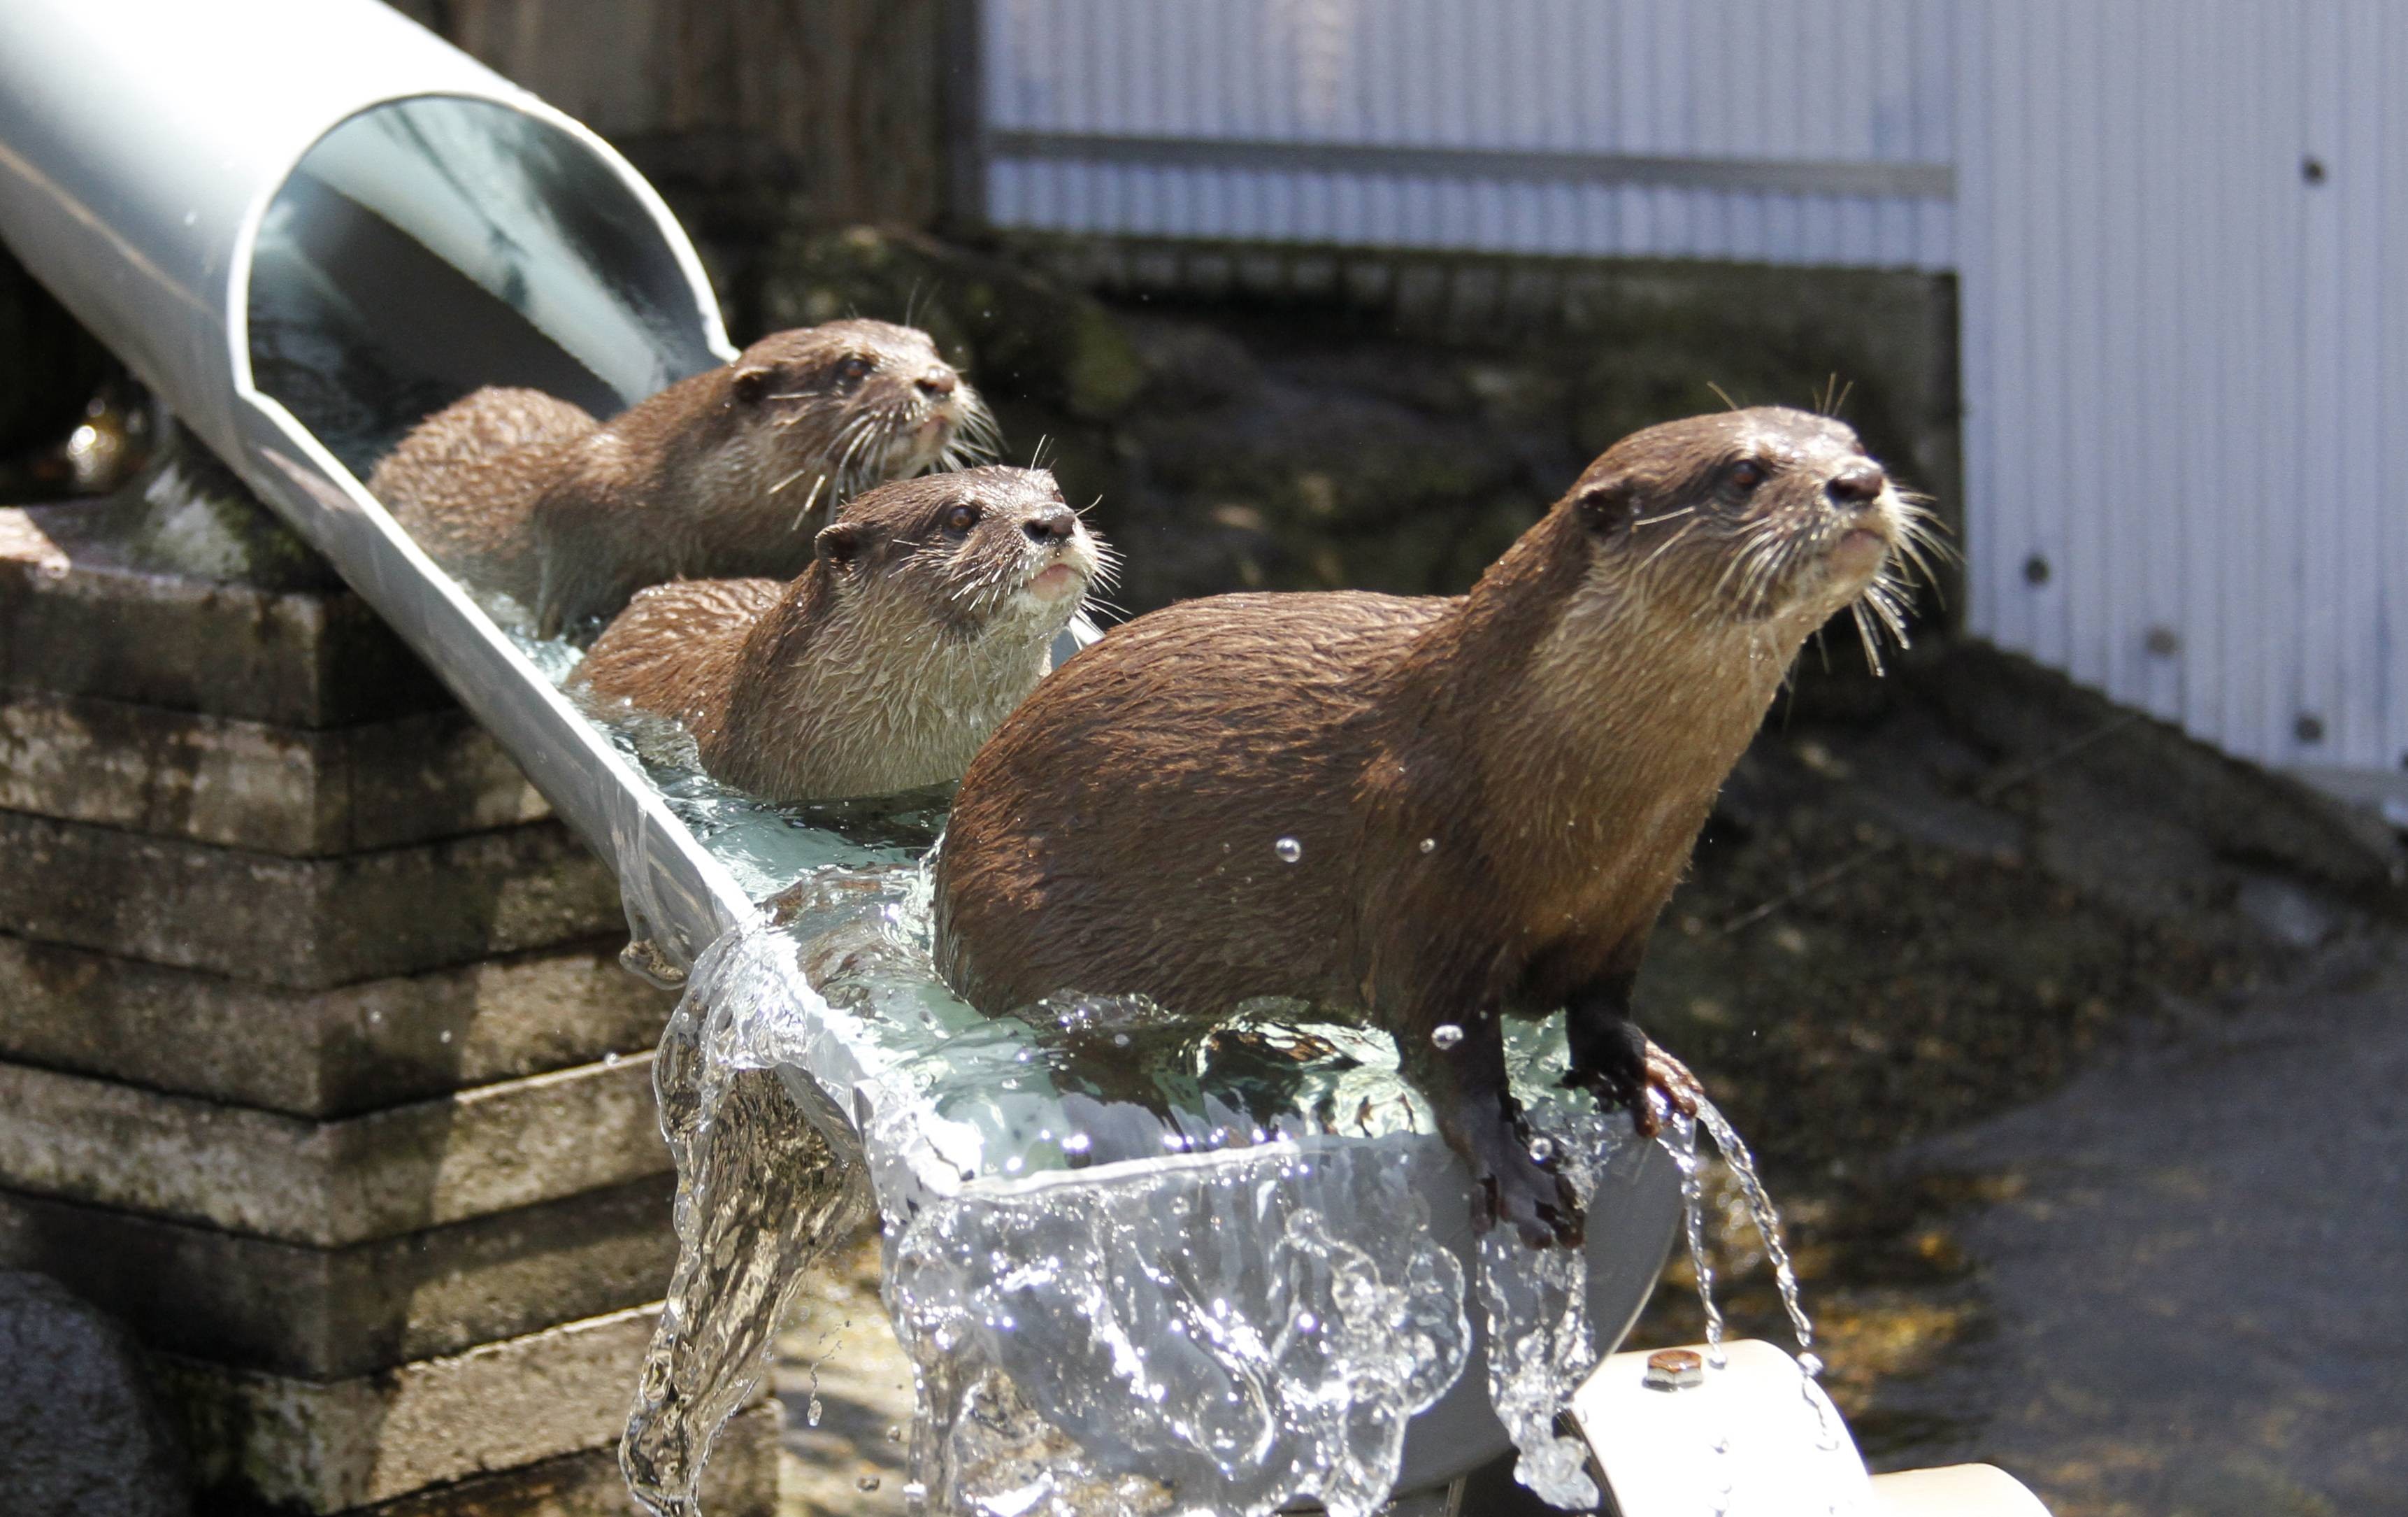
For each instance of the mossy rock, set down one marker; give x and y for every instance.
(1018, 334)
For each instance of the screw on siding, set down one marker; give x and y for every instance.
(2310, 727)
(2313, 170)
(2162, 641)
(2035, 569)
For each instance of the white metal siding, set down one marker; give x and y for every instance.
(2182, 359)
(1779, 95)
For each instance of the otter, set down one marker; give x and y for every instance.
(1431, 812)
(555, 519)
(925, 615)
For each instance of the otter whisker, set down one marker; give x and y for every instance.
(809, 501)
(1724, 396)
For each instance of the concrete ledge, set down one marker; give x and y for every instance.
(76, 619)
(241, 784)
(742, 1480)
(324, 1313)
(322, 1053)
(304, 923)
(329, 1446)
(330, 1184)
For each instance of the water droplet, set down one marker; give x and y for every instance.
(1289, 850)
(1543, 1149)
(1429, 844)
(444, 1037)
(812, 1413)
(609, 1058)
(894, 1432)
(867, 1483)
(1811, 1363)
(1306, 1321)
(1445, 1035)
(1119, 1040)
(1077, 1143)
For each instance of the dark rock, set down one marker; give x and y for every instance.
(79, 1435)
(1018, 333)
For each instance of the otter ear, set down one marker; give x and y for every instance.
(1608, 506)
(839, 543)
(752, 382)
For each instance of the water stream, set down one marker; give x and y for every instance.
(1139, 1266)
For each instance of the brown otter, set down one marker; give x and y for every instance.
(725, 472)
(925, 618)
(1430, 810)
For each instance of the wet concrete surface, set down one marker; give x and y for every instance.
(2195, 1276)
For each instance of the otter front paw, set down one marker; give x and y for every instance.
(1513, 1189)
(1628, 1070)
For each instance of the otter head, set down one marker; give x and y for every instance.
(854, 402)
(1765, 518)
(984, 552)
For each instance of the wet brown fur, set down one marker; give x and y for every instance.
(1493, 794)
(725, 473)
(882, 667)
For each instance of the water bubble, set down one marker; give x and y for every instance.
(1542, 1150)
(867, 1483)
(1306, 1321)
(812, 1413)
(1289, 850)
(1445, 1035)
(1077, 1143)
(1429, 844)
(1119, 1040)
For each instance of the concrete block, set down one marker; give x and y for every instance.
(325, 1313)
(322, 1053)
(302, 923)
(742, 1480)
(76, 618)
(247, 784)
(489, 1150)
(330, 1446)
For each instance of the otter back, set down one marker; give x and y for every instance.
(463, 483)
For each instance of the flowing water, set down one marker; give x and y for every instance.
(1246, 1320)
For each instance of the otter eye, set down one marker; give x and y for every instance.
(1746, 474)
(959, 518)
(853, 368)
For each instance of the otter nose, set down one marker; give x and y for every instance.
(937, 382)
(1856, 486)
(1054, 524)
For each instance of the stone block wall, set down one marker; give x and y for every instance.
(315, 1064)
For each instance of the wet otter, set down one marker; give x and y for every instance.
(725, 472)
(925, 617)
(1430, 810)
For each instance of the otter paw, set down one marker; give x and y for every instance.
(1669, 1081)
(1644, 1078)
(1513, 1190)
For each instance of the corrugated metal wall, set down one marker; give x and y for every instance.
(2184, 328)
(1790, 131)
(2180, 228)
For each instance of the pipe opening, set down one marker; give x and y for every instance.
(430, 245)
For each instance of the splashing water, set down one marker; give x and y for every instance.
(1539, 1343)
(1248, 1319)
(1679, 1136)
(1766, 1219)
